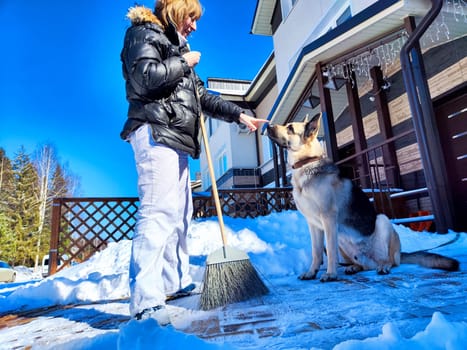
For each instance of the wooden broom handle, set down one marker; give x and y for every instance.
(215, 194)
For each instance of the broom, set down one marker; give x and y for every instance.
(229, 276)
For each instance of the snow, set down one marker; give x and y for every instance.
(363, 311)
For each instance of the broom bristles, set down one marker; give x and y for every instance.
(230, 282)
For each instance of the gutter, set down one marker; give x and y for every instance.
(424, 120)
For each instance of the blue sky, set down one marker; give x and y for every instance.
(61, 79)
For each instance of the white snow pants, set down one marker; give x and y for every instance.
(159, 263)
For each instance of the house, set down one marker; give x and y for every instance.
(389, 78)
(239, 156)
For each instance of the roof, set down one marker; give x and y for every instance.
(262, 18)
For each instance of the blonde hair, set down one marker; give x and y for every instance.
(176, 11)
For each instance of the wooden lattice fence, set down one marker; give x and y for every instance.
(83, 226)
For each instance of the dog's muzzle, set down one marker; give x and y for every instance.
(270, 131)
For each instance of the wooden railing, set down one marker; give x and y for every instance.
(83, 226)
(384, 180)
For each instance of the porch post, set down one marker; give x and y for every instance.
(328, 117)
(384, 120)
(357, 129)
(283, 167)
(276, 165)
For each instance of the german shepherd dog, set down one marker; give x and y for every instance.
(339, 212)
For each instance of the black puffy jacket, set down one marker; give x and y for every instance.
(161, 87)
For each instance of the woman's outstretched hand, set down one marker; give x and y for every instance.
(252, 123)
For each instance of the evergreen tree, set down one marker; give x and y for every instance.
(27, 190)
(7, 188)
(24, 208)
(7, 239)
(7, 181)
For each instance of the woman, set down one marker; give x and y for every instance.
(165, 100)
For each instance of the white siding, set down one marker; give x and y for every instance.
(303, 20)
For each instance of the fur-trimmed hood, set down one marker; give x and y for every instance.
(142, 14)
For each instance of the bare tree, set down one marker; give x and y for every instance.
(45, 161)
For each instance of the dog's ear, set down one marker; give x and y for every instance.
(306, 118)
(312, 126)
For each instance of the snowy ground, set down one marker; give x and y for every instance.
(413, 307)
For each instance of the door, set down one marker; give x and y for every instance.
(451, 116)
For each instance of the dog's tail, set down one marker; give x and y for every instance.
(430, 260)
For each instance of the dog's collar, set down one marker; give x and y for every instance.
(306, 161)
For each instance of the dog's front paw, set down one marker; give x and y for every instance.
(328, 277)
(309, 275)
(383, 269)
(353, 269)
